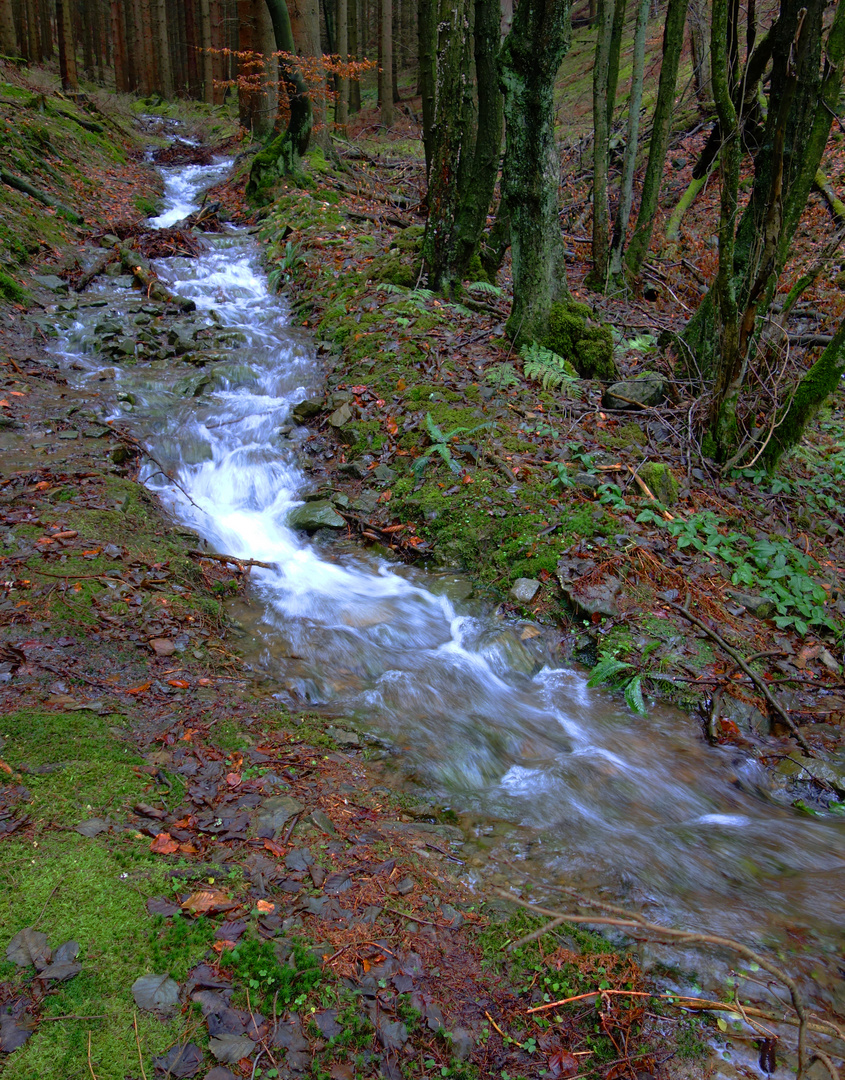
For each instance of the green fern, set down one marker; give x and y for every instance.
(501, 376)
(552, 371)
(484, 287)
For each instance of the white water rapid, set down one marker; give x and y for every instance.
(641, 806)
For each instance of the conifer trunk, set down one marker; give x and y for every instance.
(206, 59)
(385, 70)
(8, 36)
(342, 107)
(67, 46)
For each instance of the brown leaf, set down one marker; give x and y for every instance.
(208, 902)
(164, 844)
(563, 1064)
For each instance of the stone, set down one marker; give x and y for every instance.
(760, 606)
(343, 738)
(315, 515)
(646, 389)
(323, 822)
(340, 417)
(660, 481)
(589, 598)
(52, 283)
(799, 767)
(384, 473)
(463, 1043)
(274, 812)
(307, 409)
(524, 590)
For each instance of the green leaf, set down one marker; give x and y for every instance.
(634, 695)
(605, 669)
(433, 430)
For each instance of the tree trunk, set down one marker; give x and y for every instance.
(206, 58)
(45, 32)
(305, 25)
(673, 43)
(67, 46)
(427, 23)
(148, 65)
(626, 189)
(385, 71)
(165, 73)
(752, 255)
(602, 111)
(32, 35)
(270, 94)
(282, 156)
(8, 36)
(118, 48)
(530, 59)
(355, 53)
(342, 108)
(247, 72)
(699, 33)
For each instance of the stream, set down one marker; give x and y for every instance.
(561, 780)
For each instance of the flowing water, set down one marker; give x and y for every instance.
(596, 796)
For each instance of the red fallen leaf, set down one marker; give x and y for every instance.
(265, 906)
(208, 902)
(68, 534)
(275, 849)
(467, 479)
(391, 425)
(563, 1064)
(233, 779)
(92, 551)
(185, 822)
(137, 689)
(205, 682)
(164, 844)
(43, 541)
(42, 485)
(16, 393)
(728, 728)
(183, 684)
(5, 404)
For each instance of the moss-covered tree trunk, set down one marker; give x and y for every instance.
(468, 137)
(427, 30)
(720, 336)
(281, 157)
(531, 56)
(604, 80)
(673, 43)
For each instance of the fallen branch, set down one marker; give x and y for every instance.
(240, 563)
(628, 920)
(95, 271)
(758, 682)
(134, 264)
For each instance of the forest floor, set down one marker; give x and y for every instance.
(191, 872)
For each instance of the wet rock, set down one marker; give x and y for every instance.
(645, 389)
(353, 468)
(307, 409)
(524, 590)
(343, 738)
(506, 653)
(384, 473)
(182, 337)
(315, 515)
(322, 822)
(799, 767)
(760, 606)
(366, 502)
(589, 597)
(456, 587)
(52, 283)
(587, 481)
(463, 1043)
(660, 480)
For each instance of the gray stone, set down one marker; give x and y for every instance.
(451, 915)
(384, 473)
(645, 389)
(366, 502)
(524, 590)
(587, 481)
(315, 515)
(456, 587)
(274, 812)
(109, 240)
(52, 282)
(505, 653)
(799, 767)
(340, 417)
(307, 409)
(343, 738)
(322, 822)
(760, 606)
(590, 598)
(353, 468)
(182, 337)
(463, 1044)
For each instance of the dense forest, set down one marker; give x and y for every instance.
(422, 537)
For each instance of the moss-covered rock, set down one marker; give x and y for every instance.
(395, 270)
(577, 337)
(660, 480)
(410, 239)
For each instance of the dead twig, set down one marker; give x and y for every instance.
(138, 1044)
(758, 682)
(240, 563)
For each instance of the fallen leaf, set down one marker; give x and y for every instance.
(183, 684)
(137, 689)
(164, 844)
(29, 947)
(563, 1064)
(155, 993)
(208, 902)
(275, 848)
(180, 1061)
(12, 1034)
(265, 905)
(231, 1048)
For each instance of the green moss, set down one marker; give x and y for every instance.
(576, 337)
(394, 270)
(661, 480)
(410, 239)
(10, 290)
(627, 435)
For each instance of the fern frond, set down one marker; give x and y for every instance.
(484, 287)
(548, 368)
(501, 375)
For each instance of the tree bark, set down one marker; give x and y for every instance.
(247, 72)
(8, 36)
(626, 189)
(206, 58)
(342, 108)
(355, 53)
(530, 59)
(283, 155)
(305, 25)
(165, 73)
(699, 33)
(673, 43)
(427, 23)
(385, 71)
(602, 112)
(67, 46)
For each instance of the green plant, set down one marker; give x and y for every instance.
(611, 495)
(501, 376)
(608, 670)
(287, 263)
(549, 369)
(257, 968)
(443, 443)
